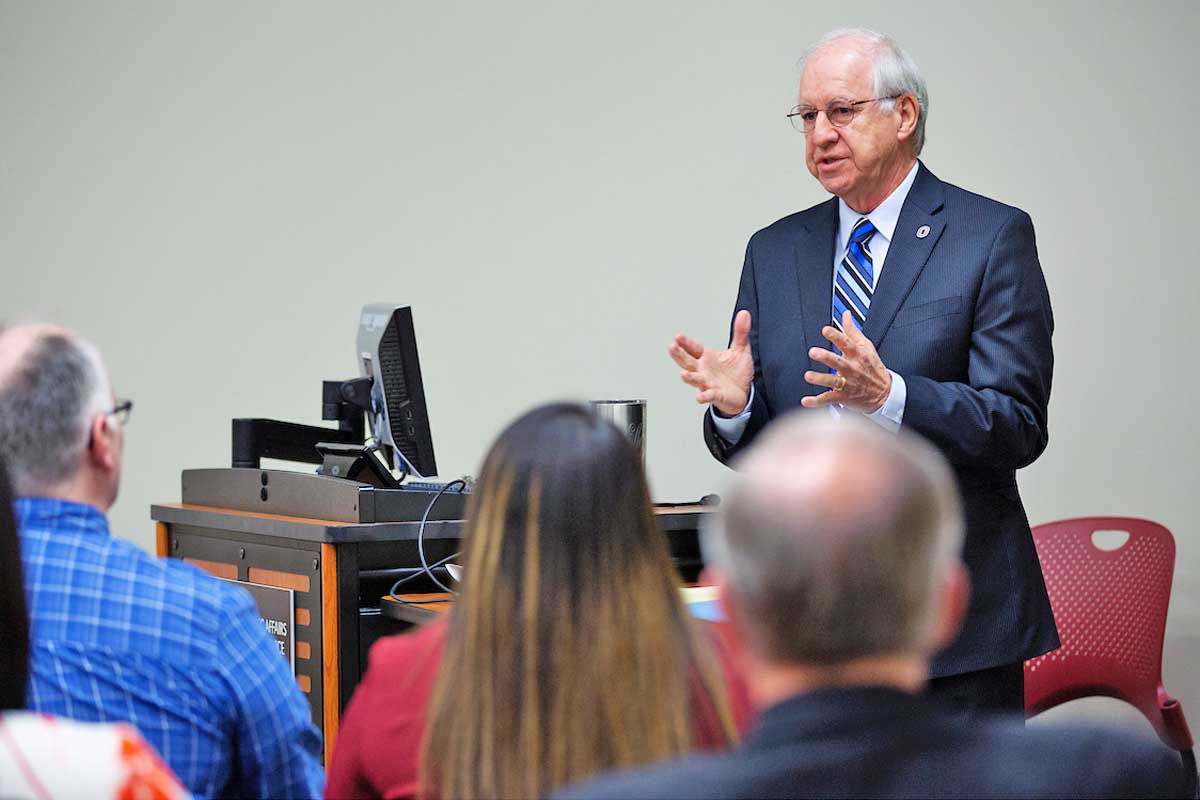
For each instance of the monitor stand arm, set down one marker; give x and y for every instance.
(345, 401)
(256, 439)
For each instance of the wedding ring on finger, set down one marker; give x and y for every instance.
(841, 383)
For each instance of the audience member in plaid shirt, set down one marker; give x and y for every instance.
(117, 634)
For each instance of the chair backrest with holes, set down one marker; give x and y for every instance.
(1109, 580)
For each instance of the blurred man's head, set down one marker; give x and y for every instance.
(58, 430)
(839, 543)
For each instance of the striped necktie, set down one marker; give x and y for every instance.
(854, 282)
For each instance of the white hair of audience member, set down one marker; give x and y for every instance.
(895, 73)
(834, 537)
(47, 402)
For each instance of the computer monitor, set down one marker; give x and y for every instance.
(387, 353)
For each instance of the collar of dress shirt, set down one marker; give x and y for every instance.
(884, 217)
(51, 513)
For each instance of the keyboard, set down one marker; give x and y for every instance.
(431, 486)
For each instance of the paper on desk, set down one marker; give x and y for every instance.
(702, 602)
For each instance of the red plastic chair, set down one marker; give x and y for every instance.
(1110, 606)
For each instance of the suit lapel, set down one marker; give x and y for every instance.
(907, 254)
(814, 273)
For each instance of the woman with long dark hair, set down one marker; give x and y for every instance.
(568, 652)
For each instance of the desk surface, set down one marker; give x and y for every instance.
(417, 609)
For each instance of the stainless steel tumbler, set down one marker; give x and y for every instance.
(629, 416)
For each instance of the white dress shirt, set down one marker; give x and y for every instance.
(884, 218)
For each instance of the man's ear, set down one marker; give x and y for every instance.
(730, 624)
(102, 443)
(909, 111)
(954, 595)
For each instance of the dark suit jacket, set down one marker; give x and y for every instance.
(964, 317)
(876, 742)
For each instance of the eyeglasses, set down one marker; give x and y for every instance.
(840, 113)
(121, 411)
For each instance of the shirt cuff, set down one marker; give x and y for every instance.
(891, 413)
(731, 428)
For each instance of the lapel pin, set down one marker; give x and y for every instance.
(922, 231)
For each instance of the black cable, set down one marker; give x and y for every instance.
(401, 581)
(426, 568)
(421, 533)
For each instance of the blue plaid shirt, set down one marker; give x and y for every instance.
(119, 635)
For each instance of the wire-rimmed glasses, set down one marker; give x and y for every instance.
(840, 113)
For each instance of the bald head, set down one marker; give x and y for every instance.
(834, 538)
(17, 341)
(52, 386)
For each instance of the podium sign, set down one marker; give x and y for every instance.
(278, 611)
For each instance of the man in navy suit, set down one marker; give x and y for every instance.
(836, 556)
(913, 303)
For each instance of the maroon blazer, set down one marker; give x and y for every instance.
(378, 746)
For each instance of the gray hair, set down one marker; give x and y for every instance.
(47, 402)
(834, 538)
(895, 73)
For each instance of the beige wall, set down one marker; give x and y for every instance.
(211, 191)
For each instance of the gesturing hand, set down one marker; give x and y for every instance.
(862, 381)
(722, 376)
